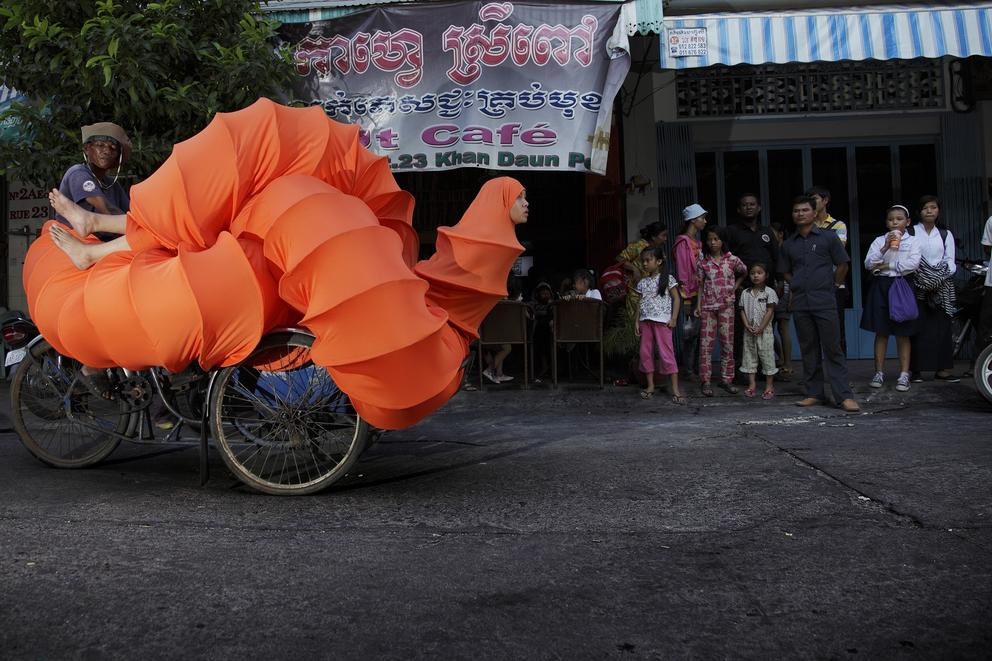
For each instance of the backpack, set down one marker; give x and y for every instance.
(834, 223)
(943, 232)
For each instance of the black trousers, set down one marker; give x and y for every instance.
(932, 346)
(819, 342)
(841, 296)
(985, 320)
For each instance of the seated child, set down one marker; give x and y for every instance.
(542, 307)
(582, 282)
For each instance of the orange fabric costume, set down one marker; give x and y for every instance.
(275, 216)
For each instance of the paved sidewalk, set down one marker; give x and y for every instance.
(859, 372)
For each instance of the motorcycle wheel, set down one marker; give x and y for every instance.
(983, 373)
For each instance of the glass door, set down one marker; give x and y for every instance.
(864, 179)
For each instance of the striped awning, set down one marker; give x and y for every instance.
(880, 33)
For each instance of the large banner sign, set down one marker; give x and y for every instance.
(501, 85)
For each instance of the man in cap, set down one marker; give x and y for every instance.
(105, 147)
(686, 254)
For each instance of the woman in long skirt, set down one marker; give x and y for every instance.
(934, 287)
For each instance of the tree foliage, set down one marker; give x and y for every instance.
(159, 69)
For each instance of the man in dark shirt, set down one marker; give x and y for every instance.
(105, 147)
(822, 219)
(748, 239)
(815, 263)
(752, 243)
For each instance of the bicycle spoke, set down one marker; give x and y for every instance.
(284, 425)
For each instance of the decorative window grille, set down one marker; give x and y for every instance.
(823, 87)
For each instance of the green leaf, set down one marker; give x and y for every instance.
(181, 62)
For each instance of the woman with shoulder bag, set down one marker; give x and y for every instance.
(932, 346)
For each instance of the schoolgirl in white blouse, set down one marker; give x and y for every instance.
(932, 346)
(896, 253)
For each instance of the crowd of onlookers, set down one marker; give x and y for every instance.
(743, 286)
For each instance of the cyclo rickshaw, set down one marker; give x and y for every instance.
(281, 424)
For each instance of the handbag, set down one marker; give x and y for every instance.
(902, 302)
(690, 326)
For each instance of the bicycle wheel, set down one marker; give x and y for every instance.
(983, 373)
(280, 422)
(38, 408)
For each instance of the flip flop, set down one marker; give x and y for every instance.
(749, 392)
(679, 399)
(647, 394)
(707, 390)
(768, 394)
(729, 387)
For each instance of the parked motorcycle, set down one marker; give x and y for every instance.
(968, 298)
(983, 372)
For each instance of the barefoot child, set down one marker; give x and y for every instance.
(894, 254)
(757, 312)
(659, 312)
(720, 274)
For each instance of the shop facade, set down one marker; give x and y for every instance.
(484, 78)
(879, 104)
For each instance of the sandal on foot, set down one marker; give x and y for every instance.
(97, 384)
(707, 390)
(678, 399)
(768, 394)
(749, 392)
(729, 387)
(647, 394)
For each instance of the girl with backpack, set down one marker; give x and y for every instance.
(933, 283)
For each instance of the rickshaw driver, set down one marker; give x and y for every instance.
(90, 202)
(105, 145)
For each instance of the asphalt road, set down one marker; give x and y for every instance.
(513, 524)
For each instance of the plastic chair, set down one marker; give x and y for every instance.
(578, 321)
(505, 324)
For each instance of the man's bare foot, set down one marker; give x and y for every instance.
(81, 220)
(78, 252)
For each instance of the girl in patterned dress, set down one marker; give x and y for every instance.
(758, 304)
(720, 274)
(657, 315)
